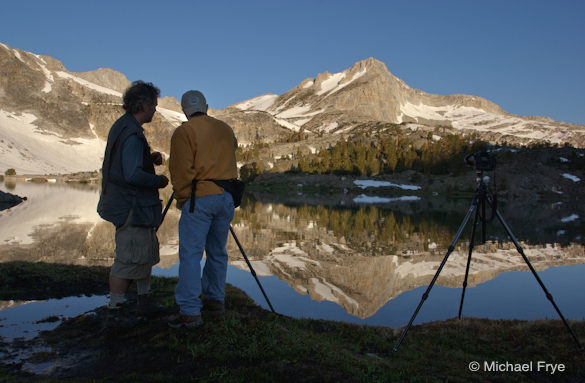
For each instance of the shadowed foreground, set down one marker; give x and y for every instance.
(252, 344)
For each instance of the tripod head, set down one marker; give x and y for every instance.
(481, 179)
(482, 161)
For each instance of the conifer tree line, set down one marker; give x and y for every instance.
(361, 156)
(374, 153)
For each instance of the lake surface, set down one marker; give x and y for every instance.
(367, 261)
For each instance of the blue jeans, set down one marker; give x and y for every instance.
(206, 228)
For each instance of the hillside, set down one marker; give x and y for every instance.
(55, 121)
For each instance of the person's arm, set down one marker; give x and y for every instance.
(235, 140)
(132, 166)
(182, 164)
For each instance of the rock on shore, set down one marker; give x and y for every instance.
(8, 200)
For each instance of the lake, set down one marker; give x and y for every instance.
(367, 260)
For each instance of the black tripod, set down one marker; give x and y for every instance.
(482, 197)
(164, 213)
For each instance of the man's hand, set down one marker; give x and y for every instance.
(165, 181)
(156, 158)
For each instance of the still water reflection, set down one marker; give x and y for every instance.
(362, 263)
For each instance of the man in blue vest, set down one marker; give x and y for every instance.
(130, 199)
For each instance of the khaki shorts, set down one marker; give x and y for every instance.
(136, 251)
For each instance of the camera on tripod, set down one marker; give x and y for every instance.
(482, 160)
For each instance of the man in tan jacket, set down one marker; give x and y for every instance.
(202, 149)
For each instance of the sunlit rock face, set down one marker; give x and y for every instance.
(56, 121)
(367, 94)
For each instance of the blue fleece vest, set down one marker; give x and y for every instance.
(118, 197)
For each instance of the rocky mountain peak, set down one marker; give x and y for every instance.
(321, 77)
(170, 103)
(326, 81)
(335, 104)
(107, 78)
(371, 65)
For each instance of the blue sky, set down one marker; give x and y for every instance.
(528, 56)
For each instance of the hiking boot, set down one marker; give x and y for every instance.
(146, 306)
(180, 320)
(213, 307)
(116, 306)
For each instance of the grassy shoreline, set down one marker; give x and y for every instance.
(252, 344)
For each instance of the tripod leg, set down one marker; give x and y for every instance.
(166, 209)
(548, 295)
(483, 217)
(251, 269)
(471, 244)
(449, 251)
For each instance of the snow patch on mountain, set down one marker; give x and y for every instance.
(467, 117)
(18, 56)
(303, 121)
(50, 80)
(447, 112)
(295, 111)
(513, 126)
(331, 83)
(277, 110)
(172, 116)
(298, 111)
(261, 103)
(29, 150)
(288, 125)
(334, 83)
(329, 127)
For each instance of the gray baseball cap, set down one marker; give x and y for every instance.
(193, 101)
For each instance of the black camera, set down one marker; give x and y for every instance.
(482, 160)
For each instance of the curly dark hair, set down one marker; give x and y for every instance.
(139, 95)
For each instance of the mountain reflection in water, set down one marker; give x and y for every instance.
(361, 263)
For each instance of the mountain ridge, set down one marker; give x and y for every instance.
(39, 96)
(367, 92)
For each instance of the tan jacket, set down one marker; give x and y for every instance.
(202, 148)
